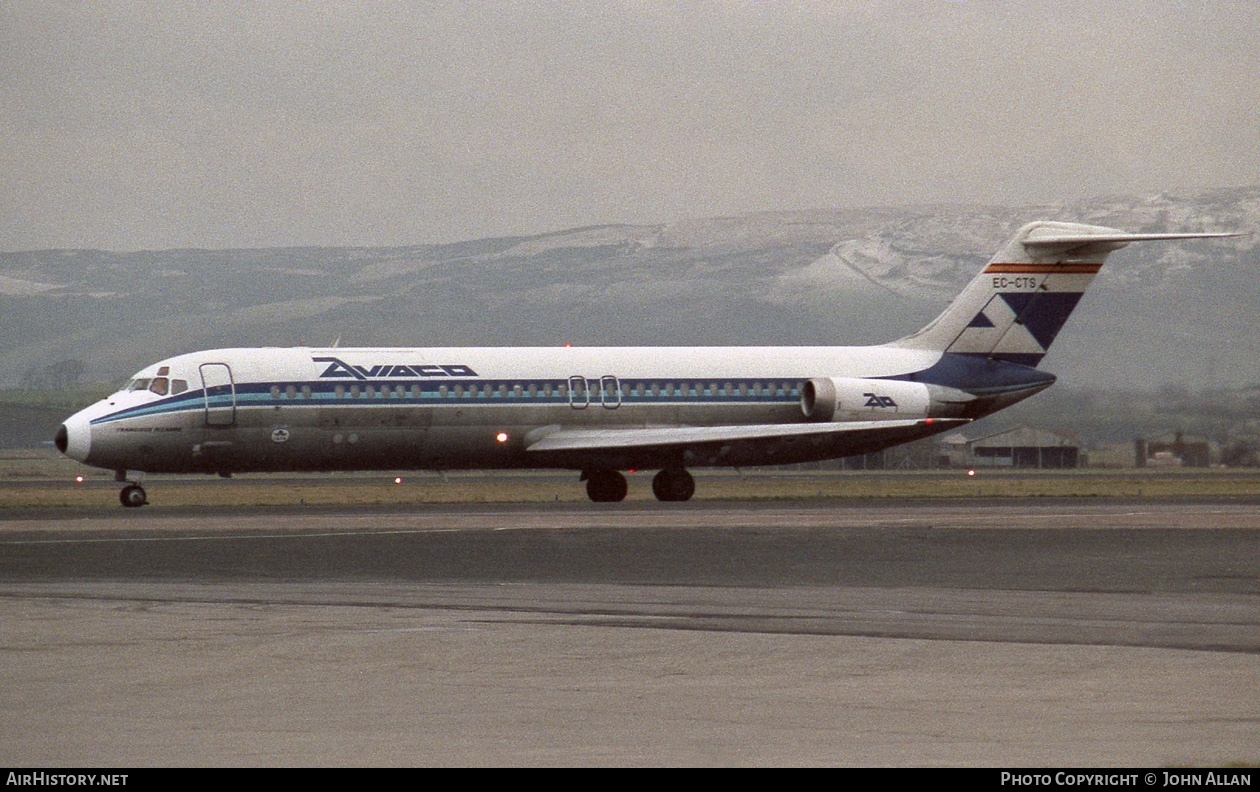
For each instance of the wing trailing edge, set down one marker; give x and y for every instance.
(730, 445)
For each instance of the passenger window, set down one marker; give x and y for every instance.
(178, 386)
(415, 391)
(340, 390)
(290, 391)
(275, 391)
(306, 391)
(160, 386)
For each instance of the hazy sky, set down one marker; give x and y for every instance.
(169, 124)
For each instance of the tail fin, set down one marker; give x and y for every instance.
(1015, 307)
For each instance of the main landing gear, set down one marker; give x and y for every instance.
(609, 486)
(132, 495)
(673, 485)
(605, 486)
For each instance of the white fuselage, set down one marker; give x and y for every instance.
(291, 409)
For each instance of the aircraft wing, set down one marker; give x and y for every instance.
(727, 445)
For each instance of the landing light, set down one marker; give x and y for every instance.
(398, 480)
(971, 473)
(501, 437)
(78, 479)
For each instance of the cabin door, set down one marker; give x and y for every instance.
(220, 394)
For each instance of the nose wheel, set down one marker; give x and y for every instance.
(133, 496)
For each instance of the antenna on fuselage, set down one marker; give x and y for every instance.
(336, 343)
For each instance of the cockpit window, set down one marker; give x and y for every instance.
(160, 386)
(178, 386)
(138, 384)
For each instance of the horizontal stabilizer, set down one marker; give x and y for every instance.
(1051, 237)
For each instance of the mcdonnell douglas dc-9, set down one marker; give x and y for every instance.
(600, 410)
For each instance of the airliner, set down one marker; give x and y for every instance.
(600, 410)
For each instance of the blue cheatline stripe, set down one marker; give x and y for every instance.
(185, 401)
(324, 393)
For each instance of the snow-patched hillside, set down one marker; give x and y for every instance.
(1158, 313)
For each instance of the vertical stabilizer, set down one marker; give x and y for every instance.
(1018, 304)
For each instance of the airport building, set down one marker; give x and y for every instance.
(1022, 447)
(1172, 449)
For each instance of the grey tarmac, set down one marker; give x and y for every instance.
(1062, 632)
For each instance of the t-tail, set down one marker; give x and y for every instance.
(1015, 308)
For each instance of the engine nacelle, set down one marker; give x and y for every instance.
(855, 399)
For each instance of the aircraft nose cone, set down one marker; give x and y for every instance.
(74, 438)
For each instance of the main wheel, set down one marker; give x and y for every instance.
(673, 485)
(606, 486)
(132, 496)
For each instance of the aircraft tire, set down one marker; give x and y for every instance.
(133, 496)
(606, 486)
(673, 485)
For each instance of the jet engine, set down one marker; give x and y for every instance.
(856, 399)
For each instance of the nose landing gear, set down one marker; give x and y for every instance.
(133, 495)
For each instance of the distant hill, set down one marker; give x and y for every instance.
(1159, 313)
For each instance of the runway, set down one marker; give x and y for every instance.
(987, 632)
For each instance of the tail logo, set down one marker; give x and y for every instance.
(1016, 326)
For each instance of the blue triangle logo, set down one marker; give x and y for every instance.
(980, 320)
